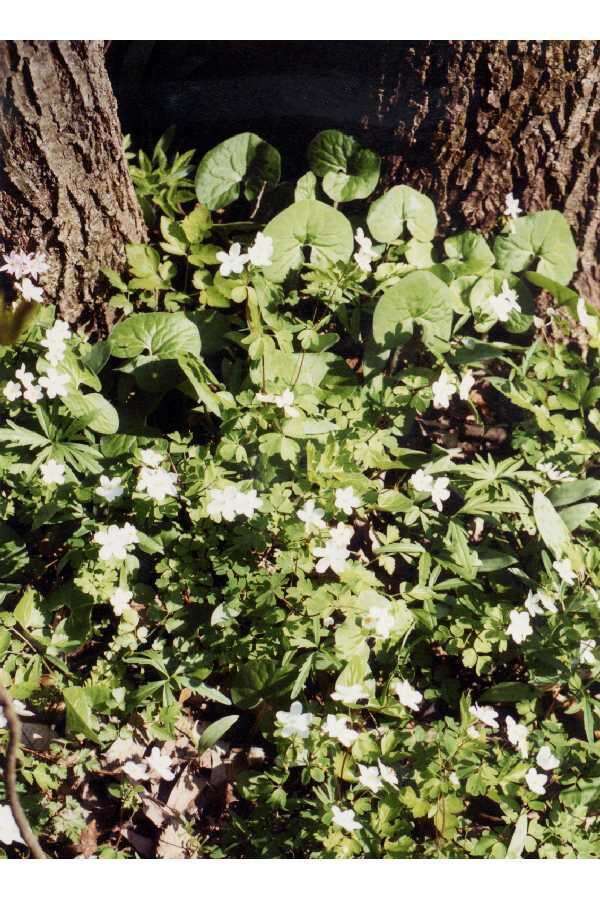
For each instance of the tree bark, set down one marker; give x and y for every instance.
(469, 121)
(64, 183)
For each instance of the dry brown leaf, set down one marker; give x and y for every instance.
(186, 791)
(88, 840)
(142, 844)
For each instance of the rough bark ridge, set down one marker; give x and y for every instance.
(468, 121)
(64, 184)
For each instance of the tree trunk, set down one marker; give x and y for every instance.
(468, 121)
(64, 184)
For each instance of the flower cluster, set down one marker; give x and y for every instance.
(228, 502)
(26, 268)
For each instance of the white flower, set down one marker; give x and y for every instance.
(54, 340)
(331, 556)
(261, 252)
(120, 600)
(295, 722)
(586, 652)
(466, 383)
(16, 263)
(312, 516)
(284, 401)
(517, 735)
(30, 291)
(345, 819)
(365, 255)
(370, 778)
(234, 261)
(512, 210)
(223, 503)
(536, 781)
(110, 488)
(114, 541)
(443, 389)
(342, 534)
(33, 393)
(565, 571)
(387, 774)
(229, 502)
(533, 601)
(248, 503)
(588, 322)
(440, 492)
(136, 771)
(408, 695)
(346, 500)
(552, 473)
(12, 391)
(328, 621)
(337, 728)
(520, 626)
(157, 483)
(546, 760)
(380, 620)
(52, 472)
(504, 303)
(151, 458)
(485, 714)
(349, 693)
(422, 482)
(26, 378)
(473, 732)
(159, 765)
(453, 779)
(9, 830)
(55, 383)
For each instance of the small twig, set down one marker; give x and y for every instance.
(10, 774)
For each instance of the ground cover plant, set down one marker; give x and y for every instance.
(300, 560)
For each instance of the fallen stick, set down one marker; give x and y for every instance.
(10, 774)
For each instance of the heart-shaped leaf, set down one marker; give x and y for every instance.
(308, 223)
(418, 299)
(349, 171)
(545, 236)
(402, 207)
(161, 335)
(244, 160)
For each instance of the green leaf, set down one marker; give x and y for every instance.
(573, 491)
(551, 527)
(143, 260)
(245, 159)
(420, 298)
(402, 207)
(574, 516)
(162, 335)
(196, 224)
(349, 171)
(308, 223)
(100, 415)
(302, 676)
(545, 236)
(306, 187)
(80, 719)
(468, 254)
(215, 732)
